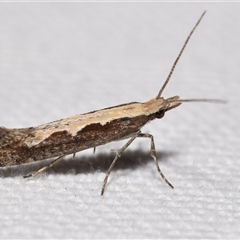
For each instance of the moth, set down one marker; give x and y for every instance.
(70, 135)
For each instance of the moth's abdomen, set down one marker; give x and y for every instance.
(12, 147)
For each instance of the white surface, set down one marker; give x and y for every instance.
(58, 60)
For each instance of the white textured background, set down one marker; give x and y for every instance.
(59, 59)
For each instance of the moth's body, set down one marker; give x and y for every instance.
(74, 134)
(77, 133)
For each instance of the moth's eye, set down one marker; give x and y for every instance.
(160, 114)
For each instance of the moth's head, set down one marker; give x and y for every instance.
(161, 105)
(167, 104)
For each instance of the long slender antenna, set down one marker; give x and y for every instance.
(202, 100)
(178, 57)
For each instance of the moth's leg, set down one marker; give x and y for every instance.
(33, 174)
(118, 154)
(154, 156)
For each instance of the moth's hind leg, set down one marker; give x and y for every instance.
(35, 173)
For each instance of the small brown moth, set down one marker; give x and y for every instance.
(89, 130)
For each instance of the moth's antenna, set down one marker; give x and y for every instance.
(178, 57)
(202, 100)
